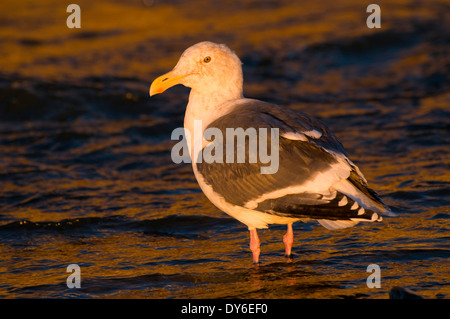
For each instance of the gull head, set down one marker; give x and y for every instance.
(207, 68)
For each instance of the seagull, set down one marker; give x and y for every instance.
(314, 178)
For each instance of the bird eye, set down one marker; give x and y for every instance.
(207, 59)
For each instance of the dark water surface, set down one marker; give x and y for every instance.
(86, 175)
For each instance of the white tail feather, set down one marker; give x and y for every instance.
(337, 224)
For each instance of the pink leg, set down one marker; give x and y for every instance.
(254, 245)
(288, 240)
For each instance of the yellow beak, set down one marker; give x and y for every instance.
(165, 81)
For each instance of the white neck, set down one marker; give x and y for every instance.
(206, 108)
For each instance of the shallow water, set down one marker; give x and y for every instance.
(86, 175)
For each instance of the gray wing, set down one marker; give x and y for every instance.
(312, 166)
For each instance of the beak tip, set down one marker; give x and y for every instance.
(152, 91)
(164, 82)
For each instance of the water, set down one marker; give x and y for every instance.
(86, 175)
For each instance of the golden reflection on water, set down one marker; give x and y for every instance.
(36, 40)
(67, 183)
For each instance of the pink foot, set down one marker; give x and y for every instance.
(254, 245)
(288, 240)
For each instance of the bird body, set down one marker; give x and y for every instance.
(314, 178)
